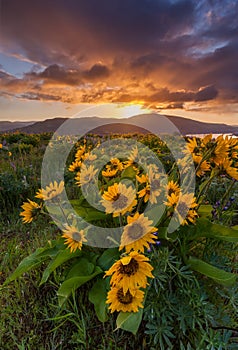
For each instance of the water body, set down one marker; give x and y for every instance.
(213, 135)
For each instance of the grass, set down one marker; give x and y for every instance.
(30, 316)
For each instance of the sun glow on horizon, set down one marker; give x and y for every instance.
(129, 110)
(112, 110)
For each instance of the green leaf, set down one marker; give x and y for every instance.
(128, 173)
(205, 210)
(218, 275)
(205, 228)
(81, 267)
(97, 296)
(71, 284)
(108, 257)
(32, 261)
(129, 321)
(93, 214)
(62, 256)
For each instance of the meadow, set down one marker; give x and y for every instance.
(62, 292)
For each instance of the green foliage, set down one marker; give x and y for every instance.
(59, 301)
(75, 281)
(218, 275)
(129, 321)
(98, 295)
(178, 312)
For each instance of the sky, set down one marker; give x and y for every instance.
(176, 57)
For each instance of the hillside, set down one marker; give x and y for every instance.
(7, 126)
(151, 122)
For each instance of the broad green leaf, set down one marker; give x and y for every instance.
(93, 214)
(205, 228)
(129, 321)
(89, 213)
(218, 275)
(108, 257)
(62, 256)
(205, 210)
(32, 261)
(81, 267)
(98, 295)
(129, 173)
(73, 283)
(80, 210)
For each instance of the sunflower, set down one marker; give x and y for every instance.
(75, 166)
(85, 175)
(31, 209)
(221, 150)
(142, 179)
(89, 156)
(192, 145)
(226, 165)
(206, 140)
(172, 187)
(109, 172)
(134, 154)
(53, 190)
(203, 165)
(116, 164)
(145, 193)
(132, 159)
(80, 152)
(172, 199)
(138, 233)
(124, 302)
(74, 238)
(185, 209)
(119, 199)
(152, 189)
(130, 272)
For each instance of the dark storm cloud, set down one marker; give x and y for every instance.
(166, 99)
(154, 51)
(74, 30)
(97, 71)
(206, 94)
(64, 76)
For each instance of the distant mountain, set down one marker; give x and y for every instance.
(7, 126)
(144, 123)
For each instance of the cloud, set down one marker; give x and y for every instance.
(206, 94)
(156, 52)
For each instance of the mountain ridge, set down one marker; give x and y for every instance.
(7, 125)
(154, 123)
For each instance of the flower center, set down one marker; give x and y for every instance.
(124, 298)
(182, 208)
(170, 191)
(51, 192)
(155, 184)
(147, 190)
(76, 236)
(129, 269)
(135, 231)
(87, 177)
(120, 201)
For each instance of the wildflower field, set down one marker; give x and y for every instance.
(141, 255)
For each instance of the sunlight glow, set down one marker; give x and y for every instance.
(112, 110)
(130, 110)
